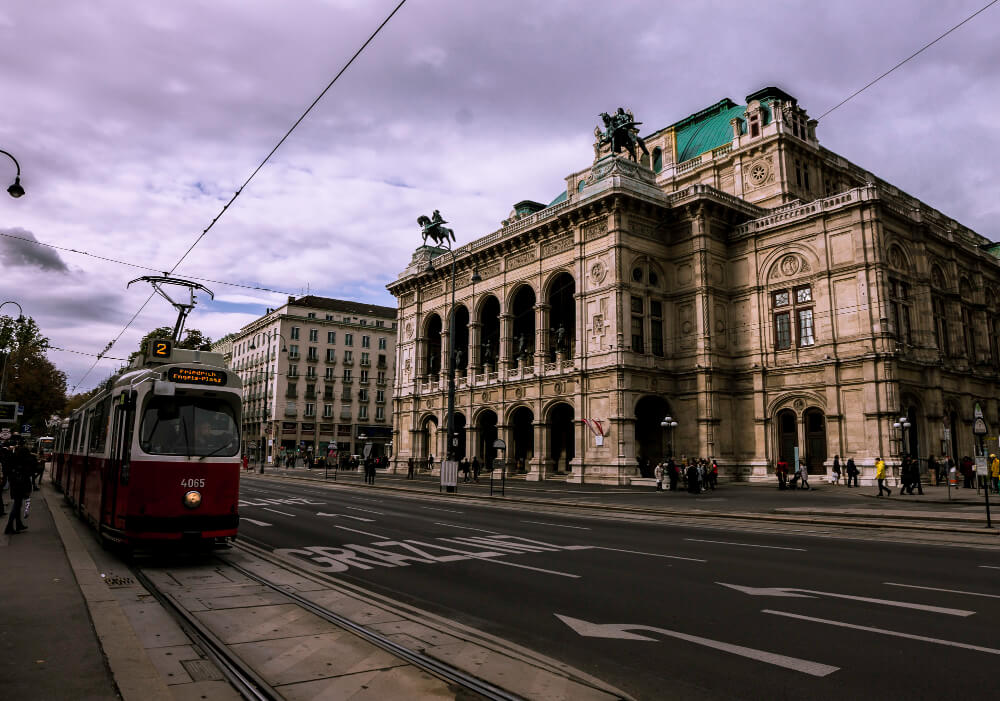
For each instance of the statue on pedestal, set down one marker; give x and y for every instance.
(434, 228)
(621, 131)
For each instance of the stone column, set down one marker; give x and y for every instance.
(801, 425)
(474, 349)
(537, 464)
(445, 360)
(506, 329)
(580, 434)
(541, 335)
(472, 443)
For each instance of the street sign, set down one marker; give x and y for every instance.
(947, 434)
(26, 429)
(8, 412)
(449, 473)
(979, 426)
(5, 434)
(977, 411)
(367, 450)
(981, 470)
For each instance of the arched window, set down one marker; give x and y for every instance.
(657, 159)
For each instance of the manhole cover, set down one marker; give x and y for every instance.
(201, 670)
(119, 581)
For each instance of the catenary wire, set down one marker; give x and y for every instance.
(908, 58)
(138, 266)
(236, 194)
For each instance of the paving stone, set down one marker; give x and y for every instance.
(429, 636)
(243, 625)
(355, 609)
(200, 691)
(400, 683)
(153, 626)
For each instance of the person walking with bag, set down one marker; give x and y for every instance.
(835, 479)
(880, 477)
(22, 465)
(658, 474)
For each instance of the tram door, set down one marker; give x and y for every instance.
(119, 455)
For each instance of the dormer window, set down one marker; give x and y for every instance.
(754, 125)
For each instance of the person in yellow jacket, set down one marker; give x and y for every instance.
(880, 477)
(994, 473)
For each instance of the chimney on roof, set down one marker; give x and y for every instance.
(291, 300)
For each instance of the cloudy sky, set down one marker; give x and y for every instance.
(134, 122)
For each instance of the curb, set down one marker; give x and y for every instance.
(134, 674)
(829, 521)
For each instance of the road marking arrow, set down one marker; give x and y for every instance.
(620, 631)
(809, 594)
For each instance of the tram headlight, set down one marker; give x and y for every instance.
(192, 500)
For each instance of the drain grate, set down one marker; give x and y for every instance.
(202, 670)
(119, 581)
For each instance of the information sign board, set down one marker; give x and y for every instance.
(981, 469)
(449, 473)
(8, 412)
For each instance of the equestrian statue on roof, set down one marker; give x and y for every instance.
(621, 131)
(433, 227)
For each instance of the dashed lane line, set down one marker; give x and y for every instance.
(359, 518)
(947, 591)
(637, 552)
(990, 567)
(883, 631)
(556, 525)
(355, 530)
(467, 528)
(450, 511)
(277, 512)
(745, 545)
(525, 567)
(256, 523)
(367, 511)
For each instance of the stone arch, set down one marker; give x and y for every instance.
(815, 456)
(521, 447)
(797, 402)
(486, 421)
(560, 296)
(460, 337)
(515, 289)
(898, 257)
(522, 311)
(788, 263)
(652, 442)
(938, 279)
(426, 442)
(488, 312)
(431, 337)
(560, 420)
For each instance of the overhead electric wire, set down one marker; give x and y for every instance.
(908, 58)
(138, 266)
(256, 170)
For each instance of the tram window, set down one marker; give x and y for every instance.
(192, 426)
(99, 426)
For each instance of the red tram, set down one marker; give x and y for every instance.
(154, 457)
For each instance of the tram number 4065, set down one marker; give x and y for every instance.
(189, 483)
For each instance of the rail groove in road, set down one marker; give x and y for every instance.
(240, 675)
(417, 659)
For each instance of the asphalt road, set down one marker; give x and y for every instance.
(645, 606)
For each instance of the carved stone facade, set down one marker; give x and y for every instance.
(770, 296)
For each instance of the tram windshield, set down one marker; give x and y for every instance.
(192, 426)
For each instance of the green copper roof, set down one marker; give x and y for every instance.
(561, 198)
(710, 128)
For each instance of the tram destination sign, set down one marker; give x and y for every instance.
(197, 376)
(8, 412)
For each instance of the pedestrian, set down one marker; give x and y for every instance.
(409, 468)
(796, 474)
(430, 462)
(915, 480)
(933, 470)
(781, 470)
(880, 477)
(713, 474)
(804, 476)
(672, 474)
(994, 473)
(476, 468)
(904, 477)
(836, 470)
(22, 464)
(5, 456)
(968, 473)
(852, 472)
(692, 479)
(658, 474)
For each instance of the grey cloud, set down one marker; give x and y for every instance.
(16, 250)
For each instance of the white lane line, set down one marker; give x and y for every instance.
(557, 525)
(948, 591)
(278, 512)
(524, 567)
(466, 528)
(450, 511)
(883, 631)
(367, 511)
(745, 545)
(355, 530)
(990, 567)
(637, 552)
(359, 518)
(256, 523)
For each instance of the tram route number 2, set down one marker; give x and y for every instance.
(192, 482)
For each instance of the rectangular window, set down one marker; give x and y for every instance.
(656, 327)
(364, 377)
(313, 354)
(310, 371)
(348, 356)
(941, 326)
(366, 342)
(380, 379)
(365, 359)
(328, 374)
(327, 411)
(381, 343)
(348, 339)
(347, 375)
(806, 337)
(380, 395)
(295, 333)
(293, 351)
(331, 355)
(362, 412)
(782, 331)
(313, 335)
(310, 409)
(380, 413)
(781, 298)
(293, 370)
(311, 315)
(363, 395)
(381, 360)
(329, 317)
(379, 323)
(331, 336)
(637, 339)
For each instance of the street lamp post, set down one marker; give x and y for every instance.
(903, 424)
(15, 190)
(669, 424)
(450, 448)
(20, 318)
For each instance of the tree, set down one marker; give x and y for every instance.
(193, 339)
(28, 377)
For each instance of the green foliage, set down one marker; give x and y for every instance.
(30, 378)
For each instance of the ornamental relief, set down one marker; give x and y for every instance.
(758, 174)
(595, 229)
(551, 248)
(516, 260)
(789, 266)
(598, 271)
(896, 258)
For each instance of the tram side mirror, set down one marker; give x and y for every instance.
(162, 388)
